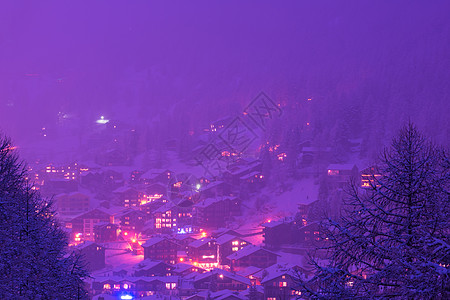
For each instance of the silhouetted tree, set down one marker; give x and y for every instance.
(392, 239)
(34, 262)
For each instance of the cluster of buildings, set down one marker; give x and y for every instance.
(174, 225)
(222, 265)
(177, 226)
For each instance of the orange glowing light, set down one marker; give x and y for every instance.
(125, 233)
(195, 263)
(133, 240)
(181, 259)
(203, 234)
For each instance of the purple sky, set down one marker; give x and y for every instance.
(88, 58)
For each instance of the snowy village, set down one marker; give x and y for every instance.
(254, 150)
(187, 231)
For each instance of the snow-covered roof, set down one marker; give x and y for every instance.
(201, 294)
(200, 242)
(226, 294)
(248, 176)
(240, 169)
(225, 274)
(341, 166)
(192, 275)
(168, 206)
(100, 209)
(259, 289)
(101, 224)
(248, 250)
(147, 264)
(153, 241)
(250, 270)
(273, 224)
(222, 230)
(225, 238)
(127, 211)
(211, 185)
(181, 267)
(181, 237)
(278, 270)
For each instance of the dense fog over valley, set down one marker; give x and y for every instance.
(224, 150)
(357, 58)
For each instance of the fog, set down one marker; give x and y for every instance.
(192, 63)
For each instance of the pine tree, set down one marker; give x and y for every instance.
(392, 239)
(34, 262)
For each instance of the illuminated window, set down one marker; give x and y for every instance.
(126, 286)
(333, 172)
(117, 286)
(107, 286)
(235, 243)
(235, 248)
(171, 286)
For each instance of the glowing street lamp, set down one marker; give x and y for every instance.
(102, 120)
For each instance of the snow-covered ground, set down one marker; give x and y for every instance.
(275, 206)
